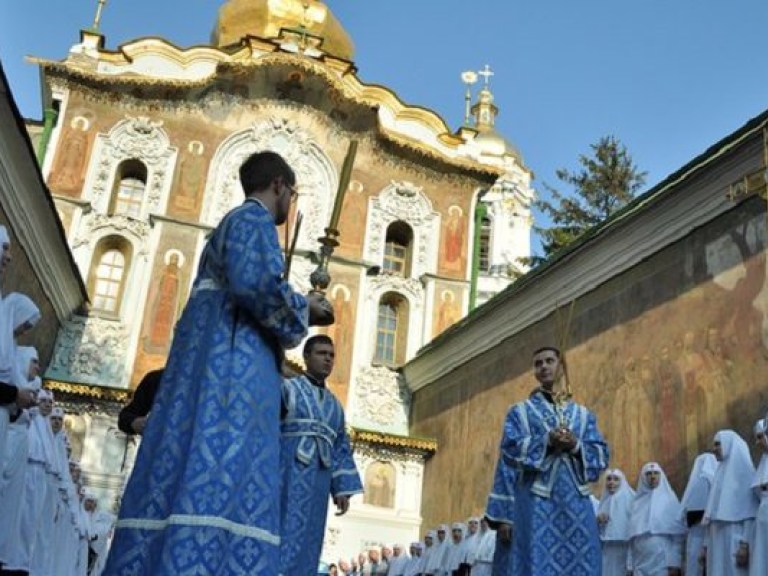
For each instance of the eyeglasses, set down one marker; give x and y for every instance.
(293, 190)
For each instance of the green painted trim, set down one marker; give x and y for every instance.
(480, 211)
(49, 121)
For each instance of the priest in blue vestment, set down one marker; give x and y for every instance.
(556, 450)
(316, 460)
(204, 496)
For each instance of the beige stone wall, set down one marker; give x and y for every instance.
(666, 354)
(21, 277)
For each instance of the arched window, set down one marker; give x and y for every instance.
(391, 330)
(485, 244)
(108, 273)
(130, 185)
(380, 482)
(397, 249)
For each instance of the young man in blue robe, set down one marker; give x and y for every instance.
(316, 460)
(556, 450)
(204, 496)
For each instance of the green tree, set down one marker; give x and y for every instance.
(606, 181)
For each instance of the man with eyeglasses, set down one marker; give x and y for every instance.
(204, 496)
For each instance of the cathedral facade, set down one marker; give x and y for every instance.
(142, 146)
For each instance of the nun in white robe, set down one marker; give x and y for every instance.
(731, 508)
(427, 556)
(413, 566)
(694, 503)
(31, 474)
(40, 432)
(18, 314)
(758, 556)
(656, 530)
(14, 553)
(471, 542)
(434, 564)
(398, 564)
(452, 556)
(486, 549)
(613, 519)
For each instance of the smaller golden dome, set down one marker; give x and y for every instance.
(491, 143)
(268, 18)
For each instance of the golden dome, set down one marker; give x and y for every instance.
(266, 19)
(491, 143)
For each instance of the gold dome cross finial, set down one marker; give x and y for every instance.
(486, 73)
(97, 18)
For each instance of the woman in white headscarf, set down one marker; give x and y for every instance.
(758, 561)
(27, 477)
(427, 556)
(452, 556)
(413, 567)
(731, 508)
(694, 503)
(613, 519)
(14, 552)
(656, 530)
(40, 433)
(18, 314)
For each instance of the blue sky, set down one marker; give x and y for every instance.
(667, 77)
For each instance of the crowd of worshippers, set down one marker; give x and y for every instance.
(718, 528)
(461, 549)
(49, 525)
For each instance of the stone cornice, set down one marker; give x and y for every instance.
(688, 199)
(32, 213)
(215, 64)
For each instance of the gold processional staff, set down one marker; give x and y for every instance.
(320, 277)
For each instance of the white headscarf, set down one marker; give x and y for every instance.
(617, 506)
(761, 476)
(731, 498)
(41, 436)
(655, 510)
(24, 357)
(16, 309)
(699, 483)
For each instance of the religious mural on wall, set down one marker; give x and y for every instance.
(190, 179)
(447, 309)
(342, 332)
(667, 354)
(71, 157)
(172, 273)
(380, 478)
(353, 219)
(675, 375)
(454, 242)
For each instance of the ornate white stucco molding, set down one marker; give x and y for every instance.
(381, 398)
(315, 175)
(95, 226)
(132, 139)
(90, 350)
(404, 201)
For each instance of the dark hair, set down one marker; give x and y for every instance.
(314, 340)
(545, 348)
(261, 168)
